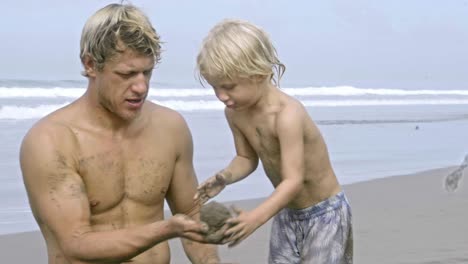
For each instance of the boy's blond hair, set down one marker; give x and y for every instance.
(236, 48)
(114, 28)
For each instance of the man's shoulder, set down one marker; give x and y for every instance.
(55, 119)
(45, 140)
(163, 113)
(52, 126)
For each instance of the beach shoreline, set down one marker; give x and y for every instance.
(399, 219)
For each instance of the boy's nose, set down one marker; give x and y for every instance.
(222, 96)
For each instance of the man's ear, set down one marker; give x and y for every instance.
(89, 66)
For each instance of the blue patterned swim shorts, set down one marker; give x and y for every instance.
(320, 234)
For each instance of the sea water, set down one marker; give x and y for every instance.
(370, 133)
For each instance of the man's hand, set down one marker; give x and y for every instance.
(186, 227)
(210, 188)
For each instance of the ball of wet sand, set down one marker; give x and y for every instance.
(214, 214)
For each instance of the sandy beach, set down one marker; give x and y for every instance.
(400, 219)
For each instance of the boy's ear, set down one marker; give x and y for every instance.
(89, 66)
(259, 78)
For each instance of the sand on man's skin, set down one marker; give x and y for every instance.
(404, 219)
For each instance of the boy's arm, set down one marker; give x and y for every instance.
(182, 189)
(243, 164)
(291, 139)
(246, 159)
(58, 198)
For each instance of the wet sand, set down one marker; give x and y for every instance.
(400, 219)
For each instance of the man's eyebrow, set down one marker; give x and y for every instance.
(131, 70)
(124, 71)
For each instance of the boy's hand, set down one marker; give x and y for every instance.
(210, 188)
(241, 227)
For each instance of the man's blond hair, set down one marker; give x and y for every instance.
(236, 48)
(114, 28)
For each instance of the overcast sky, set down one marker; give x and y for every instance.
(398, 43)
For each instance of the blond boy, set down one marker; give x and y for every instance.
(312, 217)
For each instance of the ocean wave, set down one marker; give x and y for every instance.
(390, 121)
(33, 112)
(25, 112)
(57, 92)
(383, 102)
(353, 91)
(16, 92)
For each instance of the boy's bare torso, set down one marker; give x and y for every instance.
(126, 177)
(259, 128)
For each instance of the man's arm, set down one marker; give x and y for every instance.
(59, 201)
(182, 189)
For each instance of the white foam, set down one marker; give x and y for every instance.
(12, 92)
(353, 91)
(57, 92)
(24, 112)
(389, 102)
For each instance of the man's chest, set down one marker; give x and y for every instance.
(114, 171)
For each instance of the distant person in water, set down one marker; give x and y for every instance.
(453, 180)
(312, 217)
(97, 171)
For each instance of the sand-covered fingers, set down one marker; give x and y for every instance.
(215, 215)
(240, 227)
(218, 236)
(186, 227)
(210, 188)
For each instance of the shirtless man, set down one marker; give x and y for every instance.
(98, 170)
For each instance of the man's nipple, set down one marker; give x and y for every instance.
(93, 203)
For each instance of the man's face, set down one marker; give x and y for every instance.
(122, 85)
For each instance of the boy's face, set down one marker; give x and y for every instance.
(239, 93)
